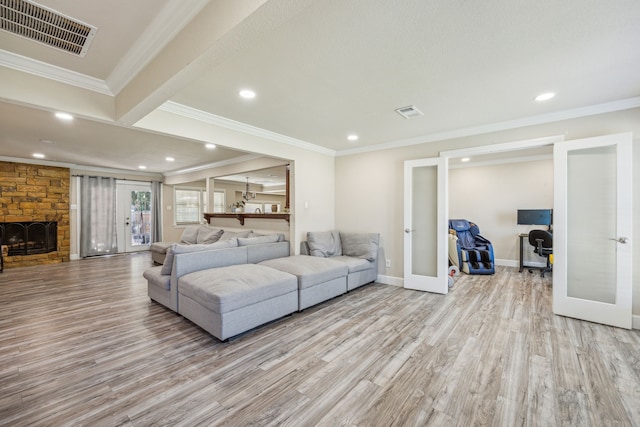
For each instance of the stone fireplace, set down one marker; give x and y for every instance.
(34, 214)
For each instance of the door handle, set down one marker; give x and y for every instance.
(408, 230)
(623, 240)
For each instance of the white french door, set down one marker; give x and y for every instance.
(134, 219)
(592, 272)
(425, 225)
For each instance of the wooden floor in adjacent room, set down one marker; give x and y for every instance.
(81, 344)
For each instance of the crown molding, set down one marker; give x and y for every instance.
(233, 161)
(77, 167)
(174, 16)
(608, 107)
(203, 116)
(169, 22)
(53, 72)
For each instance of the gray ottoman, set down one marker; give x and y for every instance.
(227, 301)
(319, 279)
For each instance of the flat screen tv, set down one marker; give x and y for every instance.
(535, 216)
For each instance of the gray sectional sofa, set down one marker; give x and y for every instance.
(230, 290)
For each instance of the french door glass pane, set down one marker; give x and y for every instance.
(591, 213)
(140, 217)
(424, 221)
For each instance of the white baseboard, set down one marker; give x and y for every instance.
(74, 257)
(507, 262)
(635, 321)
(514, 263)
(390, 280)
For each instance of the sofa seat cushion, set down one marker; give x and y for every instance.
(155, 277)
(354, 264)
(226, 289)
(310, 270)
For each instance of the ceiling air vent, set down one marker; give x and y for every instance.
(27, 19)
(409, 112)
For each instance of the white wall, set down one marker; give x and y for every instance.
(491, 195)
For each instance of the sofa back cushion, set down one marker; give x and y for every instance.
(360, 245)
(231, 234)
(257, 240)
(324, 243)
(177, 248)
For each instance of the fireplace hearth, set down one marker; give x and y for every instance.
(28, 238)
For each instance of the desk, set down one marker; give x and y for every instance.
(522, 237)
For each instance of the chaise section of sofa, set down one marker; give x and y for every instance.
(163, 280)
(228, 301)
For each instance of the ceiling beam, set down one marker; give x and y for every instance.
(220, 30)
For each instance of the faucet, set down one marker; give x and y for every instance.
(258, 210)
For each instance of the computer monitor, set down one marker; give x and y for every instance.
(535, 217)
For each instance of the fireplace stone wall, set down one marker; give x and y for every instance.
(36, 193)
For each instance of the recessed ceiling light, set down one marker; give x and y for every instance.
(247, 94)
(64, 116)
(210, 146)
(142, 167)
(352, 137)
(465, 159)
(38, 155)
(169, 159)
(544, 96)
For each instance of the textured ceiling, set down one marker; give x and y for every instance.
(321, 70)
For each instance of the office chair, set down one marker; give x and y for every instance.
(542, 241)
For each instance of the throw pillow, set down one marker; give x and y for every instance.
(209, 235)
(190, 234)
(270, 238)
(324, 244)
(360, 245)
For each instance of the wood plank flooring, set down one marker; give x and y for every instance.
(81, 344)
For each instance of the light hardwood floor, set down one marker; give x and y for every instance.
(81, 344)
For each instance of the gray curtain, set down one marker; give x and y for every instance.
(98, 234)
(156, 211)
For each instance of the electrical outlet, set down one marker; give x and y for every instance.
(388, 263)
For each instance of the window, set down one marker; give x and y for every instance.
(188, 205)
(219, 202)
